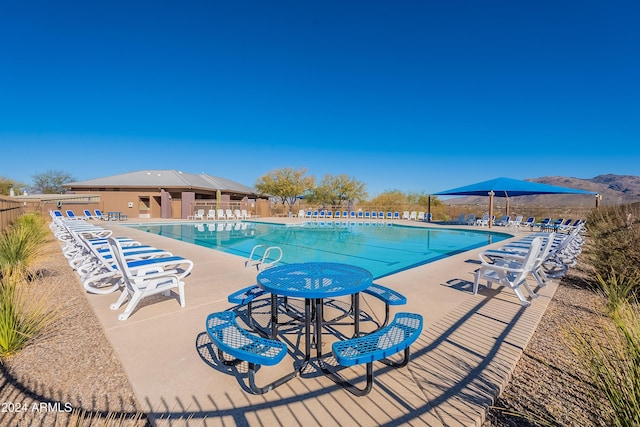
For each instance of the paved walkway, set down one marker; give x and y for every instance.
(465, 355)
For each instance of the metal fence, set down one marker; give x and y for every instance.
(10, 210)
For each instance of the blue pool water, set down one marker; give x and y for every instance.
(382, 248)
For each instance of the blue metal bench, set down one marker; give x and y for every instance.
(243, 345)
(377, 346)
(388, 296)
(246, 296)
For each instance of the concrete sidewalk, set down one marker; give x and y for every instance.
(467, 351)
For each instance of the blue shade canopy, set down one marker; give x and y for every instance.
(507, 187)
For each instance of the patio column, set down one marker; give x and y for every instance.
(491, 194)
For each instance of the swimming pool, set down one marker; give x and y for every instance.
(381, 248)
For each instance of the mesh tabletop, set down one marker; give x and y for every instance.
(315, 280)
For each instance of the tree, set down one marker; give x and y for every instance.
(51, 182)
(422, 200)
(333, 190)
(390, 200)
(6, 184)
(285, 184)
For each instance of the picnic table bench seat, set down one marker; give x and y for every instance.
(243, 345)
(246, 295)
(377, 346)
(388, 296)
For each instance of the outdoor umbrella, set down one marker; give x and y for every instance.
(508, 187)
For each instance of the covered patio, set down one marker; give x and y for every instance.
(507, 188)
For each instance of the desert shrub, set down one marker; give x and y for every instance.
(24, 313)
(21, 245)
(614, 244)
(611, 357)
(617, 290)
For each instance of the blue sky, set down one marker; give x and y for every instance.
(419, 96)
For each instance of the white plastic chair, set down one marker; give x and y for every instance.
(144, 282)
(510, 274)
(199, 214)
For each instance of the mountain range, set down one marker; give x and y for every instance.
(613, 190)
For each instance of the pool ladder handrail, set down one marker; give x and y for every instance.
(263, 262)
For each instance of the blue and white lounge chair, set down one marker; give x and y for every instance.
(71, 215)
(100, 215)
(143, 282)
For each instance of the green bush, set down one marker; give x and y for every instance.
(611, 357)
(614, 244)
(21, 245)
(618, 291)
(24, 313)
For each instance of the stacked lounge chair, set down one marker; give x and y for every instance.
(542, 255)
(106, 263)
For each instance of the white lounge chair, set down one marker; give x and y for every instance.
(405, 215)
(503, 221)
(244, 214)
(413, 216)
(229, 214)
(517, 252)
(143, 283)
(515, 223)
(421, 216)
(484, 221)
(100, 274)
(88, 214)
(100, 215)
(199, 214)
(71, 215)
(211, 214)
(530, 222)
(510, 274)
(221, 214)
(471, 219)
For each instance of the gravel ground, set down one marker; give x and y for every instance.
(547, 387)
(74, 366)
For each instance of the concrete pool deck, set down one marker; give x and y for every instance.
(468, 348)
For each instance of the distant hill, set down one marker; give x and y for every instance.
(614, 189)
